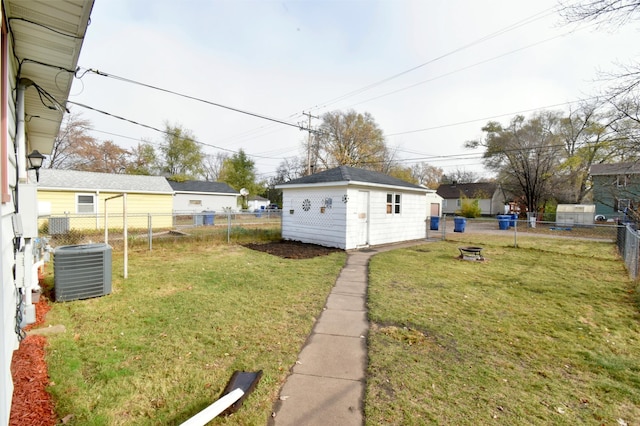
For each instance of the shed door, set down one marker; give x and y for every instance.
(363, 218)
(435, 209)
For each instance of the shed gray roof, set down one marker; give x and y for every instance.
(351, 174)
(469, 190)
(92, 181)
(615, 169)
(203, 186)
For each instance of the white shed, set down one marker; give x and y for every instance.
(575, 214)
(349, 208)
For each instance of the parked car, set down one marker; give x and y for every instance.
(273, 207)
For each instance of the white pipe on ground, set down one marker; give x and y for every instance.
(212, 411)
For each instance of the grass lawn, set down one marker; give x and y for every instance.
(164, 344)
(546, 333)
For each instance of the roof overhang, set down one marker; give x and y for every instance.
(350, 183)
(47, 37)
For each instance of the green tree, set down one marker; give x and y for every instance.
(239, 171)
(181, 156)
(142, 160)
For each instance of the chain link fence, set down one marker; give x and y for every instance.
(628, 242)
(145, 229)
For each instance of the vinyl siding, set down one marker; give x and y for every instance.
(211, 202)
(63, 203)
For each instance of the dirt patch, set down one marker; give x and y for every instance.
(292, 249)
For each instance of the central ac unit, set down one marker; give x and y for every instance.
(82, 271)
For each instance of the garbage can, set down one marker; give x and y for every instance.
(435, 222)
(514, 218)
(459, 224)
(503, 221)
(208, 217)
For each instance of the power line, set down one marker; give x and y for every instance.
(241, 111)
(518, 24)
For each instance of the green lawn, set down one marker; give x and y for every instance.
(546, 333)
(164, 344)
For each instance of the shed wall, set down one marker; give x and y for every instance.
(315, 216)
(387, 228)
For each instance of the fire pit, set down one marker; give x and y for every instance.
(471, 253)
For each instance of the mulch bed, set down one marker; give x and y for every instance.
(292, 249)
(31, 404)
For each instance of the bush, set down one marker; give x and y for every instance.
(469, 208)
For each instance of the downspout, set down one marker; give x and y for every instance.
(21, 144)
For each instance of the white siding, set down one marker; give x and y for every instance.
(215, 202)
(408, 225)
(8, 337)
(340, 225)
(315, 216)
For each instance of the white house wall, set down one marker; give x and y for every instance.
(315, 216)
(216, 203)
(385, 228)
(8, 339)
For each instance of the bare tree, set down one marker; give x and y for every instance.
(427, 175)
(212, 166)
(71, 139)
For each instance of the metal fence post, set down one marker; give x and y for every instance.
(150, 231)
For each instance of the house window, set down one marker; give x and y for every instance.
(85, 203)
(393, 203)
(621, 180)
(458, 202)
(623, 204)
(195, 202)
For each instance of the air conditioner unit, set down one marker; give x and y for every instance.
(82, 271)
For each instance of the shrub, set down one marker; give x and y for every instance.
(469, 208)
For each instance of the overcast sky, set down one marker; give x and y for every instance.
(420, 68)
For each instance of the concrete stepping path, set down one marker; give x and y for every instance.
(327, 384)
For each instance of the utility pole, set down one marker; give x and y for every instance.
(308, 114)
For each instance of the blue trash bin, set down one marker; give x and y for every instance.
(459, 224)
(503, 221)
(208, 217)
(514, 218)
(435, 222)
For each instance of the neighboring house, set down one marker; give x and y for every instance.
(76, 200)
(40, 44)
(193, 196)
(346, 207)
(615, 188)
(256, 202)
(490, 196)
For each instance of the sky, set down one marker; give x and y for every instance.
(432, 73)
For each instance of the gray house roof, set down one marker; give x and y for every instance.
(615, 169)
(346, 174)
(203, 187)
(73, 180)
(469, 190)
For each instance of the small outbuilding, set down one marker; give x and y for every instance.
(349, 208)
(575, 214)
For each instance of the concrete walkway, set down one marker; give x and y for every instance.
(327, 384)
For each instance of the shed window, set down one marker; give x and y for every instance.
(85, 203)
(393, 203)
(195, 202)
